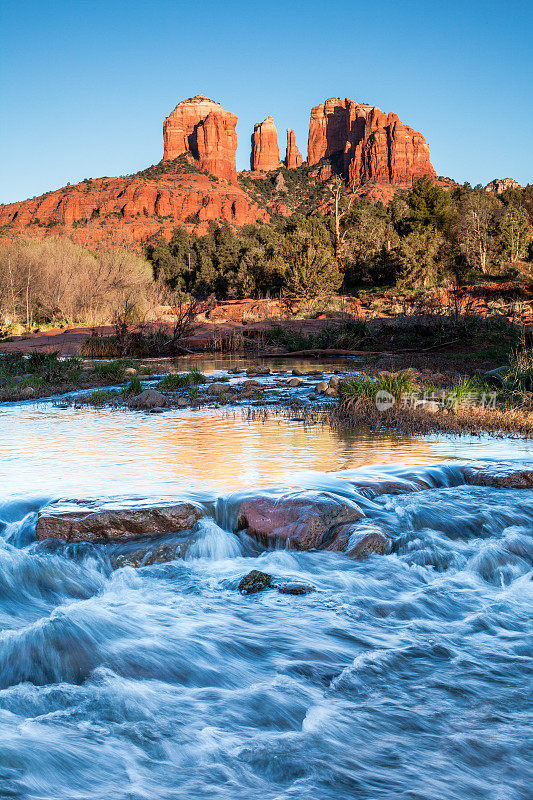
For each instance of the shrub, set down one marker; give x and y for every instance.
(345, 336)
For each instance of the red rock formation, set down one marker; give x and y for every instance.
(203, 128)
(368, 144)
(265, 150)
(293, 157)
(130, 210)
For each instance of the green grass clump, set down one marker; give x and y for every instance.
(363, 388)
(463, 391)
(40, 368)
(181, 380)
(101, 396)
(520, 374)
(112, 370)
(134, 387)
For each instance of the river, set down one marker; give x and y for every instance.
(402, 676)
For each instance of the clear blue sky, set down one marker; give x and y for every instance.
(86, 84)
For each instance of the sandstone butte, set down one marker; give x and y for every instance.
(367, 144)
(196, 181)
(203, 128)
(293, 157)
(265, 151)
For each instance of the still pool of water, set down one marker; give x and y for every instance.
(402, 676)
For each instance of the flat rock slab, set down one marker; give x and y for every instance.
(114, 525)
(499, 476)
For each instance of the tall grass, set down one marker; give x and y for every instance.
(363, 388)
(181, 381)
(520, 373)
(463, 391)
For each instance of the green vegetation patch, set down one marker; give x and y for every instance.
(181, 381)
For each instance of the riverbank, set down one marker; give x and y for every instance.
(407, 402)
(431, 390)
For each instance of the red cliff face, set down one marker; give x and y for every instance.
(265, 150)
(130, 211)
(293, 157)
(369, 145)
(201, 127)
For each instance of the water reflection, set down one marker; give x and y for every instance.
(89, 451)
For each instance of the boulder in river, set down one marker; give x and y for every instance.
(361, 540)
(218, 387)
(116, 524)
(302, 520)
(148, 399)
(255, 581)
(363, 543)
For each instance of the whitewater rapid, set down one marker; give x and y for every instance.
(402, 676)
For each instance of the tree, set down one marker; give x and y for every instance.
(474, 229)
(368, 234)
(418, 258)
(515, 234)
(312, 268)
(428, 206)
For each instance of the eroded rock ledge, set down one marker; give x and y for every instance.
(117, 525)
(299, 520)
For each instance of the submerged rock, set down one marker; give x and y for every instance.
(116, 524)
(366, 542)
(295, 588)
(361, 540)
(146, 556)
(302, 520)
(255, 581)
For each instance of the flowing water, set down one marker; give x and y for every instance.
(402, 676)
